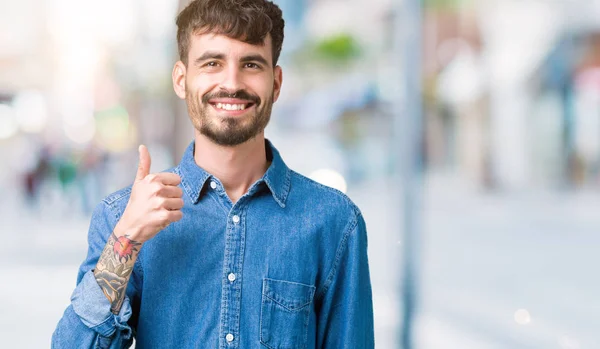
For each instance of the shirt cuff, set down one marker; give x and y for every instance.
(93, 308)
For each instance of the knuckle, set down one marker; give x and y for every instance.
(163, 215)
(151, 177)
(160, 190)
(158, 202)
(156, 188)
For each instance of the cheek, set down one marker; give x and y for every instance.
(263, 87)
(200, 85)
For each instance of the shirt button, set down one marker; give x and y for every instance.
(213, 185)
(231, 277)
(229, 337)
(236, 219)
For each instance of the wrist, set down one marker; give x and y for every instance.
(130, 232)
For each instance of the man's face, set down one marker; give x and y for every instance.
(229, 87)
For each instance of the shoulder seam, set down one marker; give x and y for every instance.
(322, 186)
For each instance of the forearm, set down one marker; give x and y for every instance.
(114, 268)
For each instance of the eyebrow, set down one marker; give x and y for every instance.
(209, 55)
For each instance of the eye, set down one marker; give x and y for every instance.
(211, 64)
(251, 66)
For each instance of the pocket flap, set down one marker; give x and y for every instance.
(291, 295)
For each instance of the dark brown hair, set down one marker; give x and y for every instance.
(246, 20)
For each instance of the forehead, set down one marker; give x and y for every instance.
(200, 43)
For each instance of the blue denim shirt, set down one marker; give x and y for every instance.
(285, 267)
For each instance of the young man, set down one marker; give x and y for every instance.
(230, 249)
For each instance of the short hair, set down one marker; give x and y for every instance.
(249, 21)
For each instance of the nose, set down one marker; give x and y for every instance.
(232, 79)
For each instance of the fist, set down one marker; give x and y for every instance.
(154, 203)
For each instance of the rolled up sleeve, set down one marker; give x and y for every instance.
(88, 321)
(93, 308)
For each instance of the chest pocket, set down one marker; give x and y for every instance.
(285, 313)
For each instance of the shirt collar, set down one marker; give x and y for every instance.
(277, 177)
(193, 177)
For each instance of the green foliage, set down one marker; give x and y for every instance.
(341, 47)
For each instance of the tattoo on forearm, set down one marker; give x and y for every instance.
(114, 268)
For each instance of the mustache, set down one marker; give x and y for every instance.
(241, 94)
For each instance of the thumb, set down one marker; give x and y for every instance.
(144, 164)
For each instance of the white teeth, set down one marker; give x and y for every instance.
(230, 106)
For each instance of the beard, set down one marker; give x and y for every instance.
(228, 131)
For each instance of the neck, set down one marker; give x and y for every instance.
(237, 167)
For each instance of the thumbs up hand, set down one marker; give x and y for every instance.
(154, 203)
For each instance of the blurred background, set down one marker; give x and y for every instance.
(487, 240)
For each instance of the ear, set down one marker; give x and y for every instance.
(277, 81)
(179, 72)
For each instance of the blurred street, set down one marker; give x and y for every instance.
(484, 258)
(510, 271)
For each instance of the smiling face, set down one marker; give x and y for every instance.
(229, 87)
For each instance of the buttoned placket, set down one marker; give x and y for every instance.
(231, 286)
